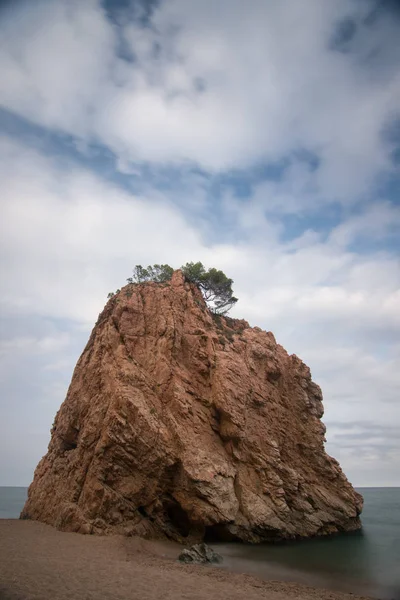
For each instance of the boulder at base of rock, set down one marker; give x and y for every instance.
(199, 553)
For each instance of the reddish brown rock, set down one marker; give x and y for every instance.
(185, 425)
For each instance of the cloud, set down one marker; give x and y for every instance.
(373, 224)
(26, 344)
(362, 446)
(212, 86)
(53, 73)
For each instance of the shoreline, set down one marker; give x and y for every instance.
(41, 563)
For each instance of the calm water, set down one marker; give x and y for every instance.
(12, 500)
(366, 562)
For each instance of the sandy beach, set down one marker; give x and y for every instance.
(37, 562)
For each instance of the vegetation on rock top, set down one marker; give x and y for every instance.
(214, 285)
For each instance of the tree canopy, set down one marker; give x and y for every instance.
(157, 273)
(215, 286)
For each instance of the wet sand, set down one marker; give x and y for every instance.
(37, 562)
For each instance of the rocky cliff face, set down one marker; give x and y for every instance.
(185, 425)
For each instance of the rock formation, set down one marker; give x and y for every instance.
(182, 424)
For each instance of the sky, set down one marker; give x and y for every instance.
(259, 137)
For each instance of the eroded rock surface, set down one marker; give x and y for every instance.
(185, 425)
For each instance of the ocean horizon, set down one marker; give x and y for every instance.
(363, 562)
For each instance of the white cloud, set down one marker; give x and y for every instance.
(213, 84)
(32, 344)
(372, 225)
(54, 58)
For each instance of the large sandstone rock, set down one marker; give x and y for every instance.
(185, 425)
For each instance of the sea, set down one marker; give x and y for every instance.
(365, 562)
